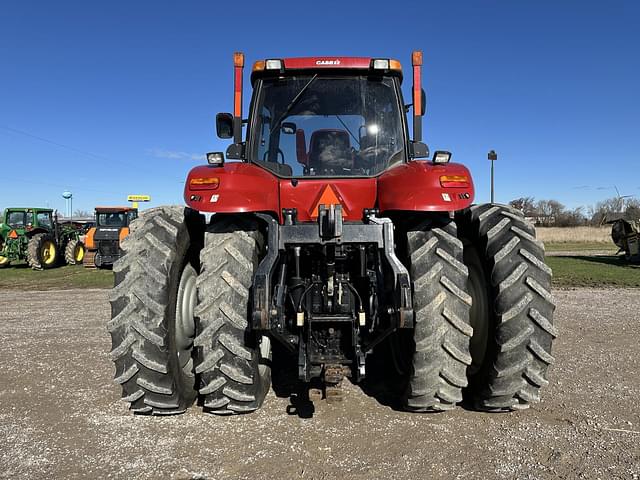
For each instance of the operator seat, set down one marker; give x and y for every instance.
(330, 152)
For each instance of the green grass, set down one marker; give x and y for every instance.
(20, 277)
(576, 271)
(600, 271)
(580, 247)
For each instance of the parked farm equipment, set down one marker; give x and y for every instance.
(102, 241)
(36, 236)
(334, 236)
(626, 235)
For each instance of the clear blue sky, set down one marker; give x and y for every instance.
(133, 87)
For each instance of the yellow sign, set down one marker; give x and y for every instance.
(138, 198)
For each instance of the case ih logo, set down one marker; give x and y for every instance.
(327, 62)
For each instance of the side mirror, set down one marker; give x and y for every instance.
(224, 125)
(418, 150)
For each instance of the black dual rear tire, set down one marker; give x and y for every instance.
(150, 308)
(234, 365)
(437, 353)
(513, 308)
(180, 315)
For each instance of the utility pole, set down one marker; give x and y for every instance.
(493, 156)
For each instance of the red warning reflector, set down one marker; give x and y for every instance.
(14, 234)
(327, 197)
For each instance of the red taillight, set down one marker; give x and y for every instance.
(454, 181)
(204, 183)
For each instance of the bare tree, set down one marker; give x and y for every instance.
(548, 211)
(571, 218)
(632, 209)
(82, 213)
(526, 205)
(611, 208)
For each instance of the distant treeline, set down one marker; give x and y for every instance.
(548, 213)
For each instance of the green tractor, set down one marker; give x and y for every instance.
(35, 236)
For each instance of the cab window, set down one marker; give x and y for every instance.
(44, 219)
(328, 126)
(16, 219)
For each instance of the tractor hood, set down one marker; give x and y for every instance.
(107, 233)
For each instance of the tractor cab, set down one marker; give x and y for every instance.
(28, 219)
(336, 122)
(115, 217)
(103, 240)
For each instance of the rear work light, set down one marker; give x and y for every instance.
(215, 159)
(440, 156)
(454, 181)
(273, 64)
(381, 64)
(385, 64)
(204, 183)
(269, 64)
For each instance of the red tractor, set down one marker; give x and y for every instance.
(331, 237)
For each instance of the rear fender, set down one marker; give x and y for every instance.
(415, 186)
(89, 242)
(124, 231)
(35, 231)
(240, 188)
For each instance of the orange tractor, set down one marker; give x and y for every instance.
(102, 242)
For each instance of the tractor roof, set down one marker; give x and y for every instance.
(114, 209)
(271, 67)
(24, 209)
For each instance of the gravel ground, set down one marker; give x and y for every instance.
(60, 414)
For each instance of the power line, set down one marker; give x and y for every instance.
(52, 142)
(57, 185)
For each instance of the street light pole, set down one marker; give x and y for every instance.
(492, 156)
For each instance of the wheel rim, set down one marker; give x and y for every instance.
(48, 252)
(479, 313)
(185, 320)
(3, 260)
(79, 253)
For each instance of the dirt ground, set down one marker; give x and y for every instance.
(61, 417)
